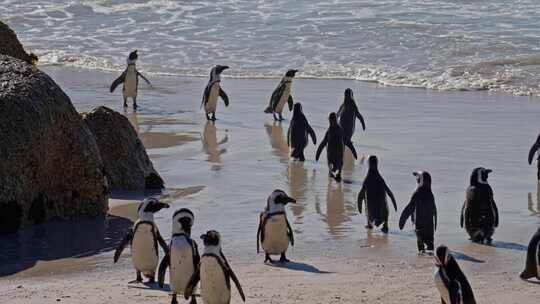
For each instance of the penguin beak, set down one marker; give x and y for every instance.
(161, 205)
(290, 200)
(415, 174)
(203, 237)
(488, 171)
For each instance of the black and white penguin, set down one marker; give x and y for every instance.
(533, 151)
(450, 281)
(297, 135)
(422, 211)
(479, 214)
(348, 113)
(373, 192)
(275, 232)
(532, 265)
(144, 238)
(214, 272)
(281, 96)
(183, 257)
(212, 91)
(336, 140)
(130, 79)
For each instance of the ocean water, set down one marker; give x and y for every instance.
(441, 45)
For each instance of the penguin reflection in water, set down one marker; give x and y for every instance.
(532, 265)
(130, 79)
(214, 273)
(275, 233)
(144, 238)
(212, 91)
(479, 214)
(335, 140)
(297, 135)
(450, 281)
(374, 191)
(422, 211)
(183, 257)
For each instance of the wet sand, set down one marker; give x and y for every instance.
(243, 156)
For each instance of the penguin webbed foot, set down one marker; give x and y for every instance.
(193, 300)
(283, 258)
(138, 279)
(384, 229)
(268, 259)
(174, 300)
(213, 117)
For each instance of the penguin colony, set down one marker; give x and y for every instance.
(187, 267)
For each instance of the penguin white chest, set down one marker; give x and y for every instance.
(276, 239)
(211, 103)
(213, 283)
(181, 267)
(284, 98)
(441, 287)
(130, 82)
(143, 250)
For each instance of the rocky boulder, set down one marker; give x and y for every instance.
(127, 166)
(10, 45)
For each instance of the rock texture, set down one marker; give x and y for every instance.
(127, 165)
(10, 45)
(50, 165)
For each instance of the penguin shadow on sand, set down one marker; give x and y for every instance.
(338, 211)
(277, 140)
(211, 145)
(298, 266)
(530, 202)
(464, 257)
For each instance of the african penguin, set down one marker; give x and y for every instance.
(212, 91)
(183, 257)
(214, 272)
(532, 265)
(275, 232)
(479, 214)
(347, 114)
(373, 192)
(130, 79)
(336, 141)
(281, 96)
(297, 135)
(144, 238)
(422, 211)
(450, 281)
(533, 151)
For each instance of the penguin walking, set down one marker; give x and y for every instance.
(336, 140)
(373, 192)
(214, 272)
(183, 257)
(275, 232)
(144, 238)
(479, 213)
(212, 91)
(451, 282)
(533, 151)
(297, 135)
(130, 79)
(422, 211)
(281, 96)
(532, 265)
(348, 113)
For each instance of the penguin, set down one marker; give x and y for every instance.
(451, 282)
(130, 79)
(347, 114)
(297, 135)
(275, 232)
(336, 140)
(144, 238)
(422, 211)
(281, 96)
(214, 272)
(533, 151)
(373, 192)
(183, 257)
(532, 266)
(479, 213)
(212, 91)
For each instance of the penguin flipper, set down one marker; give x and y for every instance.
(290, 232)
(196, 255)
(391, 195)
(260, 234)
(462, 217)
(311, 133)
(127, 239)
(290, 101)
(453, 292)
(532, 151)
(206, 94)
(165, 262)
(406, 213)
(224, 96)
(361, 197)
(161, 241)
(195, 278)
(465, 287)
(349, 144)
(118, 81)
(230, 273)
(321, 146)
(361, 119)
(145, 79)
(274, 99)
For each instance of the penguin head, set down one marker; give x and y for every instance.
(349, 95)
(480, 176)
(277, 200)
(182, 221)
(297, 109)
(442, 256)
(132, 58)
(291, 73)
(373, 162)
(211, 238)
(148, 207)
(423, 179)
(218, 69)
(33, 59)
(332, 119)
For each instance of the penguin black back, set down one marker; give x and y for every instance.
(297, 135)
(347, 114)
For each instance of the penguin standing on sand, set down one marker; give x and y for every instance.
(297, 135)
(130, 79)
(347, 114)
(212, 91)
(422, 211)
(281, 96)
(533, 151)
(144, 238)
(183, 257)
(275, 232)
(479, 213)
(532, 266)
(450, 281)
(336, 140)
(374, 191)
(214, 272)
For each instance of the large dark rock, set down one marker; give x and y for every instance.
(50, 166)
(10, 45)
(127, 165)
